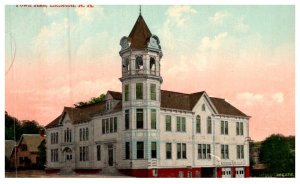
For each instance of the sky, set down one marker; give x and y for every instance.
(56, 57)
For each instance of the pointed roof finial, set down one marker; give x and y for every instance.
(140, 9)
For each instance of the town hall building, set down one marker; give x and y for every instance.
(145, 131)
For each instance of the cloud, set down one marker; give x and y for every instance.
(88, 14)
(241, 26)
(278, 97)
(218, 18)
(250, 98)
(212, 43)
(181, 14)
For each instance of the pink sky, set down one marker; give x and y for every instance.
(258, 80)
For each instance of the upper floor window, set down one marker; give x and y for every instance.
(198, 124)
(68, 135)
(168, 123)
(126, 119)
(153, 91)
(240, 151)
(139, 118)
(204, 151)
(109, 125)
(153, 119)
(83, 134)
(23, 147)
(181, 151)
(224, 151)
(126, 64)
(139, 91)
(139, 63)
(239, 128)
(203, 107)
(181, 124)
(54, 138)
(224, 127)
(126, 92)
(209, 126)
(140, 150)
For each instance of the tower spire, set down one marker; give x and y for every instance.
(140, 9)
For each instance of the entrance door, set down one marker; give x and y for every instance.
(110, 155)
(239, 172)
(226, 172)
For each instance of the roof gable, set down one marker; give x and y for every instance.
(32, 141)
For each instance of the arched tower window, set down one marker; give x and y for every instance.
(139, 63)
(152, 65)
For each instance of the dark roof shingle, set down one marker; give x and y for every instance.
(140, 34)
(226, 108)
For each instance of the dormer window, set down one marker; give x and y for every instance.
(108, 104)
(203, 107)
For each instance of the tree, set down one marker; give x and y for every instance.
(93, 100)
(276, 154)
(12, 126)
(42, 155)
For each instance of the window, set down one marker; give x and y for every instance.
(54, 138)
(204, 151)
(240, 151)
(115, 124)
(153, 150)
(139, 62)
(198, 124)
(140, 150)
(84, 153)
(224, 127)
(168, 150)
(203, 107)
(139, 119)
(84, 134)
(181, 124)
(152, 65)
(181, 151)
(103, 126)
(239, 128)
(80, 134)
(139, 91)
(68, 135)
(54, 155)
(209, 125)
(153, 91)
(153, 119)
(111, 125)
(224, 151)
(126, 92)
(107, 125)
(98, 152)
(168, 123)
(108, 104)
(126, 119)
(127, 150)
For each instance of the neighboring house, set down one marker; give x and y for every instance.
(9, 146)
(26, 153)
(258, 168)
(148, 132)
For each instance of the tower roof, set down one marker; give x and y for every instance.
(140, 34)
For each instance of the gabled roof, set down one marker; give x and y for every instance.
(176, 100)
(225, 108)
(140, 34)
(32, 141)
(115, 95)
(9, 146)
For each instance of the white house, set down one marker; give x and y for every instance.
(148, 132)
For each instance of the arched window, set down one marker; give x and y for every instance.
(139, 63)
(126, 64)
(198, 124)
(152, 65)
(209, 125)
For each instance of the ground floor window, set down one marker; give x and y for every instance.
(127, 150)
(181, 151)
(153, 150)
(84, 153)
(204, 151)
(54, 155)
(98, 152)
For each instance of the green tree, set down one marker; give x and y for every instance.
(12, 126)
(42, 155)
(276, 154)
(93, 100)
